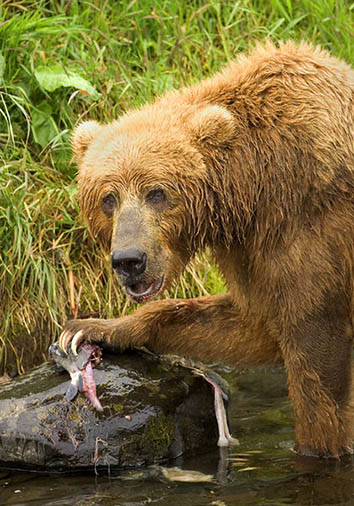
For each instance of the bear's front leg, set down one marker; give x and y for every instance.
(206, 328)
(317, 357)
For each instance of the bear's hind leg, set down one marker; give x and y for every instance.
(318, 360)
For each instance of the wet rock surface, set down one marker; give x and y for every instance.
(153, 412)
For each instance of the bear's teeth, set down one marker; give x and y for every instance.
(140, 288)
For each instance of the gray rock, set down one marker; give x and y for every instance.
(153, 412)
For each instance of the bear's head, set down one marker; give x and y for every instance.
(148, 187)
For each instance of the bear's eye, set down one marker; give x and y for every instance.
(156, 196)
(109, 204)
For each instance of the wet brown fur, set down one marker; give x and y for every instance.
(258, 164)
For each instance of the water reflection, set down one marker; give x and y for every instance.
(263, 470)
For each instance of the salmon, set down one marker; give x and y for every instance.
(80, 368)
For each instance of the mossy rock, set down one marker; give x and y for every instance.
(153, 412)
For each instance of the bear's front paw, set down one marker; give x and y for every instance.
(75, 331)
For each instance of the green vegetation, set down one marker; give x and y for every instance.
(65, 60)
(157, 436)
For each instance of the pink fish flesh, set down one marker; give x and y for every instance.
(89, 386)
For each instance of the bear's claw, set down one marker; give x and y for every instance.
(65, 340)
(76, 341)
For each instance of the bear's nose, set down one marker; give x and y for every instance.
(129, 262)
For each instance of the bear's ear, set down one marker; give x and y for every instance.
(82, 137)
(213, 125)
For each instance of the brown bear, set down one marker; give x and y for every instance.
(257, 163)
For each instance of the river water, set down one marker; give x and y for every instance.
(262, 470)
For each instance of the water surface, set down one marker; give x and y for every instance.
(262, 470)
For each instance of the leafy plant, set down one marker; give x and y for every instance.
(65, 60)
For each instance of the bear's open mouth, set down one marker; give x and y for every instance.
(142, 291)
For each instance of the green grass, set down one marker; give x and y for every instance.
(65, 60)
